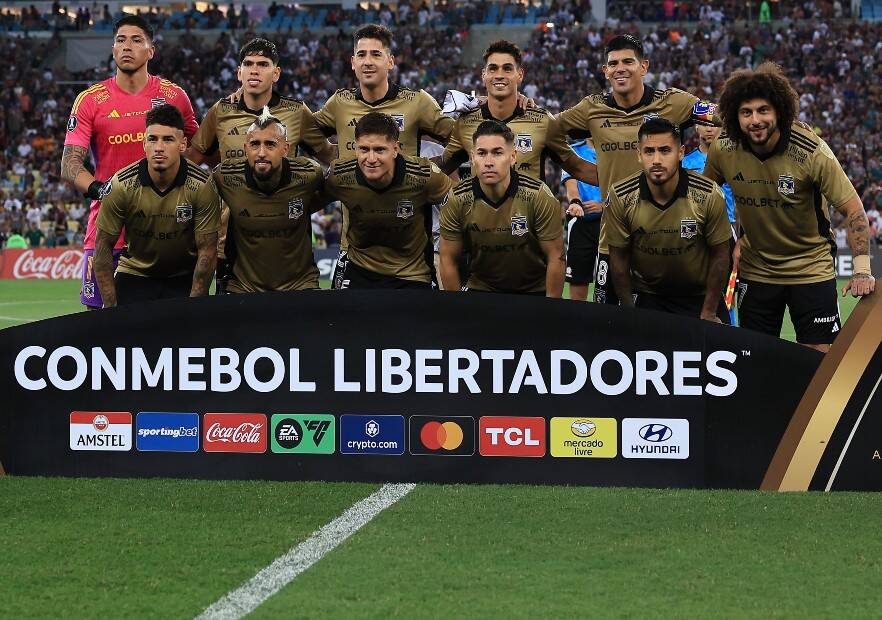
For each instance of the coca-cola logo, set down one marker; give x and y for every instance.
(234, 432)
(46, 264)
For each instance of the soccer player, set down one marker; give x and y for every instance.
(612, 120)
(416, 112)
(222, 134)
(269, 198)
(695, 160)
(387, 198)
(534, 140)
(511, 223)
(667, 231)
(583, 229)
(169, 208)
(108, 119)
(779, 171)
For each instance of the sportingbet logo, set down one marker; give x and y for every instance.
(645, 438)
(378, 434)
(509, 436)
(584, 438)
(303, 433)
(234, 432)
(101, 431)
(167, 432)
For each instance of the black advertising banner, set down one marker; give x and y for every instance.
(403, 386)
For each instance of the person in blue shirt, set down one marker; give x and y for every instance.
(583, 229)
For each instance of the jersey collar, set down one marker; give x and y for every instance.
(509, 193)
(486, 115)
(397, 177)
(391, 94)
(146, 181)
(648, 94)
(273, 102)
(283, 182)
(682, 190)
(780, 148)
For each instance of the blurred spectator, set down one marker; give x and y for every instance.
(35, 236)
(15, 241)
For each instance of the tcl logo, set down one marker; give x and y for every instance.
(234, 432)
(504, 436)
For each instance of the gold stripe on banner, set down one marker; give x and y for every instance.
(808, 434)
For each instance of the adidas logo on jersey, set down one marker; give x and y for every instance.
(113, 114)
(140, 213)
(606, 124)
(352, 123)
(738, 177)
(244, 213)
(233, 132)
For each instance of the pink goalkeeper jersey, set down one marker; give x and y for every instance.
(110, 122)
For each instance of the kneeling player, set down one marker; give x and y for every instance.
(387, 199)
(511, 224)
(269, 197)
(170, 210)
(668, 231)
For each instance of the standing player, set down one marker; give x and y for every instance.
(667, 231)
(415, 112)
(108, 119)
(511, 224)
(269, 197)
(388, 200)
(169, 209)
(779, 172)
(222, 134)
(534, 139)
(583, 230)
(612, 120)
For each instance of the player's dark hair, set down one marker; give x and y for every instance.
(626, 42)
(167, 115)
(259, 47)
(504, 47)
(656, 126)
(133, 20)
(765, 82)
(373, 31)
(493, 128)
(377, 124)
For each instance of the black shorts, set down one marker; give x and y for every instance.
(604, 293)
(678, 304)
(132, 289)
(814, 309)
(354, 277)
(583, 237)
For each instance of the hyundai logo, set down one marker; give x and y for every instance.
(655, 433)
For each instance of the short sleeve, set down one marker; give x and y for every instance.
(325, 119)
(433, 122)
(79, 124)
(717, 229)
(112, 211)
(547, 218)
(556, 143)
(573, 122)
(439, 185)
(616, 228)
(712, 169)
(831, 178)
(206, 218)
(205, 139)
(450, 220)
(182, 102)
(310, 133)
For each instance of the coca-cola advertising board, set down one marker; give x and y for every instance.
(234, 432)
(42, 264)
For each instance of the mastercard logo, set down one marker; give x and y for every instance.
(441, 435)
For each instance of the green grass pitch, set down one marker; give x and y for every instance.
(168, 549)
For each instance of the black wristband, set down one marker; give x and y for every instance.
(577, 201)
(94, 191)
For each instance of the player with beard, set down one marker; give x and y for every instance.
(269, 198)
(667, 231)
(169, 208)
(779, 172)
(510, 223)
(108, 119)
(612, 119)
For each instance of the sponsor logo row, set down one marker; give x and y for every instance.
(380, 434)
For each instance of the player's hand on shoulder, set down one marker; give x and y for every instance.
(860, 284)
(525, 102)
(234, 97)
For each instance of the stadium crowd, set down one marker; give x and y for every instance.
(835, 66)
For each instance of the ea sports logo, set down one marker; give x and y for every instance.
(100, 422)
(441, 436)
(289, 433)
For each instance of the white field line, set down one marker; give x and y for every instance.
(247, 597)
(16, 318)
(33, 303)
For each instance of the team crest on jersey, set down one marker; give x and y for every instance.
(519, 225)
(72, 123)
(688, 229)
(405, 209)
(88, 290)
(786, 184)
(184, 213)
(523, 143)
(399, 120)
(155, 102)
(295, 208)
(650, 116)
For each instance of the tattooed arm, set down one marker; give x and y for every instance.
(73, 169)
(862, 282)
(206, 260)
(103, 265)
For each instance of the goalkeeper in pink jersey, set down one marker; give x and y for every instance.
(108, 119)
